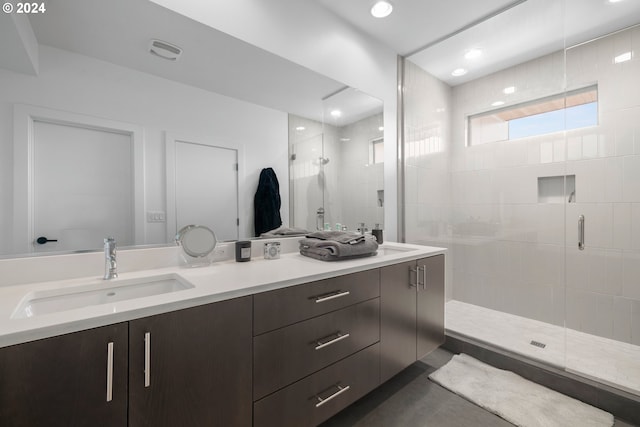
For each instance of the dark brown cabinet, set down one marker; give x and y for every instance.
(411, 312)
(77, 379)
(192, 367)
(315, 348)
(293, 356)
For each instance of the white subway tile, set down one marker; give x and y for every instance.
(622, 225)
(631, 178)
(631, 274)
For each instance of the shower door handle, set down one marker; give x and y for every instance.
(581, 232)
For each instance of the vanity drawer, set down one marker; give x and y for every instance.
(275, 309)
(338, 385)
(284, 356)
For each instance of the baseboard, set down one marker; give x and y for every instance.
(621, 404)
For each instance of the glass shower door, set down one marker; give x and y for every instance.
(603, 255)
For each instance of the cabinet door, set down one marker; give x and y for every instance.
(430, 320)
(397, 318)
(63, 381)
(192, 367)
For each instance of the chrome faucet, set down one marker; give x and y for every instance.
(110, 266)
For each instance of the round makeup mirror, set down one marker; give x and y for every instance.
(198, 241)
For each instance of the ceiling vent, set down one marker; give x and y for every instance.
(164, 50)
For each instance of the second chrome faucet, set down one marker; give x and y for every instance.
(110, 265)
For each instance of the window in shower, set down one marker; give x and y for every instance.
(376, 151)
(566, 111)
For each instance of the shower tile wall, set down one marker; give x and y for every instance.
(508, 249)
(360, 180)
(347, 186)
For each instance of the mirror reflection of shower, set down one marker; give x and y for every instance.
(334, 183)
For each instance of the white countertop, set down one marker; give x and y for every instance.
(217, 282)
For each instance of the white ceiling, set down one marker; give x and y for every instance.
(414, 23)
(119, 31)
(526, 29)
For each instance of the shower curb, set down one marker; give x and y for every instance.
(623, 405)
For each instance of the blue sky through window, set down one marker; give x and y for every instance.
(578, 116)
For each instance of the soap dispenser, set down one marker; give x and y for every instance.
(377, 232)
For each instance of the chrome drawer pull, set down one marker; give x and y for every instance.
(333, 295)
(147, 359)
(322, 401)
(110, 372)
(339, 337)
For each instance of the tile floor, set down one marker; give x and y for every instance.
(410, 399)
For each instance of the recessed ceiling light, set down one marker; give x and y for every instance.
(336, 113)
(345, 139)
(509, 90)
(473, 53)
(459, 72)
(381, 128)
(497, 103)
(614, 1)
(622, 58)
(300, 128)
(382, 9)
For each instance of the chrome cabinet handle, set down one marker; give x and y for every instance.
(417, 284)
(110, 372)
(147, 359)
(330, 296)
(424, 277)
(341, 390)
(339, 337)
(581, 232)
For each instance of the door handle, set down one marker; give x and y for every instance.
(581, 232)
(42, 240)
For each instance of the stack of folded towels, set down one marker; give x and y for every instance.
(337, 245)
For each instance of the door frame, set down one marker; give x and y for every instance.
(24, 118)
(171, 139)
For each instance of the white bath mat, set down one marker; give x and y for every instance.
(514, 398)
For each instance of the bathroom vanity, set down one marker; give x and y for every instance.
(266, 343)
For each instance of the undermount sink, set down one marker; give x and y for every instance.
(392, 250)
(98, 292)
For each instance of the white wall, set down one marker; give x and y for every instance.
(80, 84)
(308, 34)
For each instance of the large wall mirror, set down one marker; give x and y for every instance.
(89, 68)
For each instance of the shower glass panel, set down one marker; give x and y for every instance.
(509, 208)
(506, 269)
(603, 279)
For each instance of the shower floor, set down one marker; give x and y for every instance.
(608, 361)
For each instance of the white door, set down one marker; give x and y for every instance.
(82, 187)
(206, 188)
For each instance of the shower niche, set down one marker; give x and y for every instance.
(557, 189)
